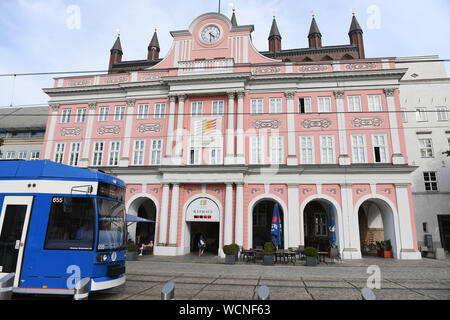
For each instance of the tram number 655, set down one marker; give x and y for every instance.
(58, 200)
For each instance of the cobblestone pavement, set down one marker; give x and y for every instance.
(208, 278)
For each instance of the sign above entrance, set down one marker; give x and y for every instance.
(203, 210)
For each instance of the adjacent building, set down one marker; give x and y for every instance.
(211, 137)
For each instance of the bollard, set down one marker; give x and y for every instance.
(368, 294)
(82, 289)
(263, 293)
(168, 291)
(6, 286)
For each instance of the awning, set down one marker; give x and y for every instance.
(131, 218)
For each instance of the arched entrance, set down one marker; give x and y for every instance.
(262, 222)
(320, 225)
(143, 232)
(376, 223)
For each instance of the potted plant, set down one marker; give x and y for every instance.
(379, 248)
(231, 252)
(311, 256)
(269, 251)
(387, 249)
(132, 251)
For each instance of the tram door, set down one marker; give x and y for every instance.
(14, 218)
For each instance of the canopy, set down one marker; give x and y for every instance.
(275, 230)
(131, 218)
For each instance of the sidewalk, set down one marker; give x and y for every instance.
(205, 278)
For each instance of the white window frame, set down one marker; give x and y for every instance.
(359, 152)
(421, 115)
(142, 111)
(197, 156)
(10, 155)
(196, 108)
(375, 102)
(441, 114)
(74, 153)
(307, 153)
(307, 107)
(65, 115)
(275, 105)
(119, 113)
(218, 107)
(324, 104)
(276, 149)
(430, 183)
(35, 155)
(160, 110)
(138, 152)
(256, 146)
(327, 151)
(256, 106)
(59, 152)
(216, 156)
(156, 148)
(98, 150)
(354, 103)
(384, 150)
(320, 224)
(114, 153)
(22, 155)
(426, 148)
(103, 114)
(81, 115)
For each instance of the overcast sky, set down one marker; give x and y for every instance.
(71, 35)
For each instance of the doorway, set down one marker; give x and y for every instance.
(211, 232)
(444, 228)
(262, 223)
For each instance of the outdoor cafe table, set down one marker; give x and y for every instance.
(322, 256)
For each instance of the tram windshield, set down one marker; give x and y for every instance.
(111, 224)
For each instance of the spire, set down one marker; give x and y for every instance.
(355, 27)
(356, 37)
(154, 43)
(116, 53)
(274, 32)
(117, 47)
(314, 30)
(153, 47)
(233, 19)
(274, 37)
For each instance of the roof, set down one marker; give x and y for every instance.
(48, 170)
(354, 27)
(117, 46)
(274, 32)
(154, 43)
(28, 118)
(314, 30)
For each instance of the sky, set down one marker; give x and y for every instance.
(76, 35)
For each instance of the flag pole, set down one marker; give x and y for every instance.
(219, 5)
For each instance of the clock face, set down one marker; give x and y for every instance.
(210, 34)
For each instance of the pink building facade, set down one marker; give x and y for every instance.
(212, 136)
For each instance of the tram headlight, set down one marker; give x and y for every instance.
(102, 257)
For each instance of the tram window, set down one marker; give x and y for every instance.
(71, 224)
(111, 224)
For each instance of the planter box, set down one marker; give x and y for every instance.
(132, 255)
(311, 261)
(268, 261)
(380, 253)
(230, 259)
(387, 254)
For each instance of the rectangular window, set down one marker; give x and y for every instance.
(197, 108)
(59, 152)
(421, 115)
(142, 111)
(74, 155)
(359, 148)
(304, 105)
(257, 106)
(324, 104)
(256, 150)
(138, 152)
(307, 150)
(22, 155)
(327, 153)
(321, 224)
(354, 104)
(103, 114)
(35, 155)
(375, 103)
(99, 147)
(160, 111)
(380, 150)
(156, 152)
(217, 108)
(276, 105)
(65, 115)
(10, 155)
(81, 115)
(430, 181)
(119, 113)
(426, 148)
(404, 115)
(442, 114)
(195, 156)
(276, 150)
(114, 151)
(216, 156)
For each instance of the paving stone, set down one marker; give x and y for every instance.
(223, 295)
(230, 288)
(334, 294)
(436, 294)
(281, 283)
(422, 284)
(327, 284)
(399, 294)
(384, 284)
(288, 293)
(253, 282)
(184, 279)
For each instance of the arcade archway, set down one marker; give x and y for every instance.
(262, 222)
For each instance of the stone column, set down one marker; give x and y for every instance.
(292, 153)
(51, 131)
(344, 158)
(350, 225)
(229, 158)
(173, 228)
(84, 161)
(228, 219)
(397, 156)
(164, 215)
(240, 141)
(125, 159)
(294, 216)
(170, 127)
(239, 223)
(179, 135)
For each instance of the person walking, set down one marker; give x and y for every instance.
(201, 245)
